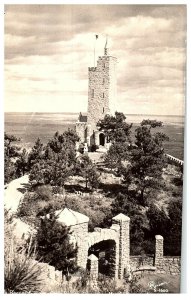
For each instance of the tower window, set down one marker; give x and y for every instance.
(103, 95)
(103, 80)
(104, 65)
(92, 93)
(103, 110)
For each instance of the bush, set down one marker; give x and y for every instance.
(21, 274)
(94, 148)
(44, 192)
(35, 205)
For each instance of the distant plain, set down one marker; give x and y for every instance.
(29, 126)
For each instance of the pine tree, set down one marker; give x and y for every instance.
(56, 161)
(11, 152)
(88, 171)
(54, 246)
(21, 163)
(115, 128)
(147, 159)
(36, 153)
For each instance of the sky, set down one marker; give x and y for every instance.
(48, 49)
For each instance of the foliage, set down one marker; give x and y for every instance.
(135, 287)
(115, 128)
(107, 285)
(38, 203)
(57, 162)
(147, 160)
(21, 163)
(54, 246)
(173, 244)
(167, 225)
(21, 274)
(126, 204)
(158, 220)
(88, 171)
(11, 152)
(36, 153)
(117, 153)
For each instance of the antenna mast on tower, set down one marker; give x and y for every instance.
(105, 48)
(96, 37)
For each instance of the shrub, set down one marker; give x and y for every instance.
(21, 274)
(94, 148)
(107, 286)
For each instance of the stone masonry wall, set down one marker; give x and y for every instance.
(49, 276)
(165, 264)
(124, 244)
(102, 89)
(170, 265)
(80, 232)
(138, 260)
(81, 131)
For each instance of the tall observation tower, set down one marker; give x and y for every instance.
(102, 89)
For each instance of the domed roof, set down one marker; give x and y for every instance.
(70, 217)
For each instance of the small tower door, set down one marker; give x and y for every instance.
(102, 139)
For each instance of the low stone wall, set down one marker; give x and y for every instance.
(139, 261)
(145, 264)
(48, 274)
(170, 265)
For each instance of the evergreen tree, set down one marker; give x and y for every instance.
(88, 171)
(53, 164)
(147, 159)
(116, 155)
(115, 128)
(54, 246)
(11, 152)
(126, 204)
(36, 153)
(21, 163)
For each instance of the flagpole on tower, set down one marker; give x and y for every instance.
(96, 37)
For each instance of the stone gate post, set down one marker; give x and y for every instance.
(158, 251)
(97, 138)
(124, 245)
(93, 268)
(81, 236)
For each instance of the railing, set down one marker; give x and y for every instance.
(175, 160)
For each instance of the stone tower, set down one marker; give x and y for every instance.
(102, 86)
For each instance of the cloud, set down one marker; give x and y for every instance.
(48, 49)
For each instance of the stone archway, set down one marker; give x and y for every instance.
(102, 139)
(105, 251)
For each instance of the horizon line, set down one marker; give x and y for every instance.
(69, 112)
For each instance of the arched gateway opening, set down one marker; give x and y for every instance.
(105, 251)
(102, 139)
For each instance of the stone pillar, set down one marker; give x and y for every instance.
(88, 132)
(93, 268)
(124, 245)
(93, 264)
(97, 138)
(81, 235)
(158, 251)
